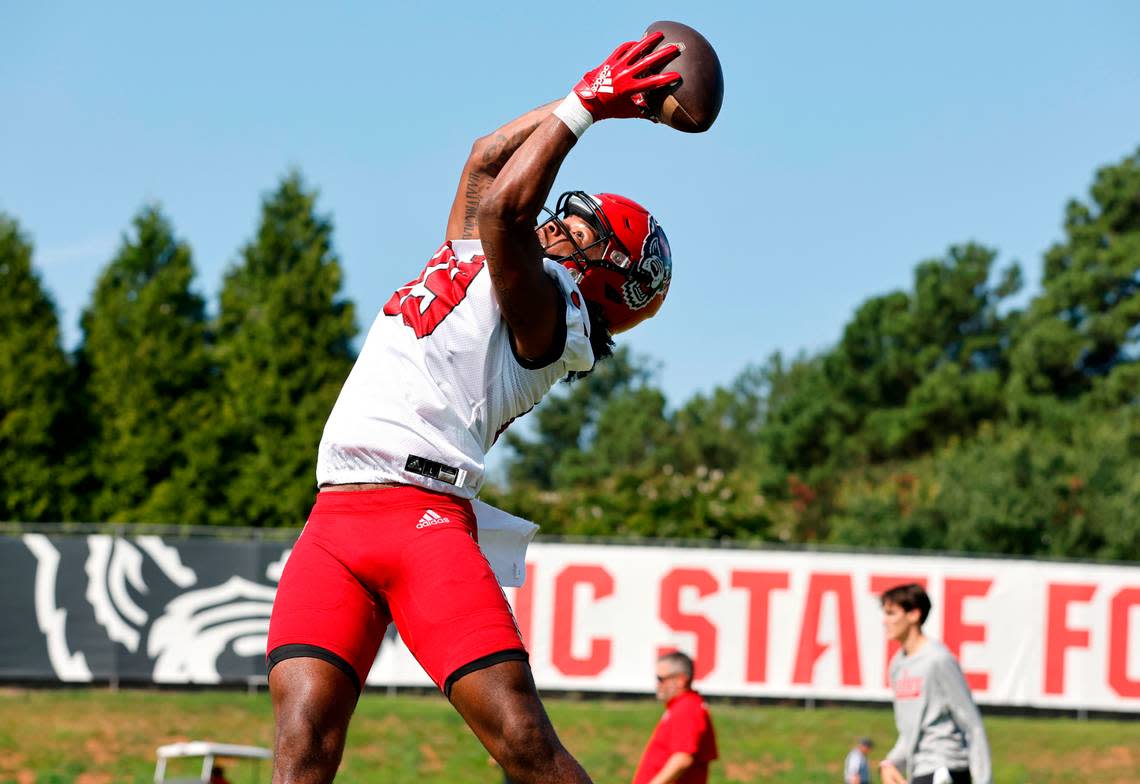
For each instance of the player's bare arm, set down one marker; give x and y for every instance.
(510, 208)
(507, 215)
(487, 157)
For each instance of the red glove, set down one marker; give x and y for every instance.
(615, 88)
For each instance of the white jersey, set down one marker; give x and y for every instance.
(438, 379)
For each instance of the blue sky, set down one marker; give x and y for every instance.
(856, 139)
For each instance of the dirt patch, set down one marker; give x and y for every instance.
(629, 749)
(11, 760)
(1122, 755)
(755, 770)
(742, 771)
(93, 778)
(1112, 765)
(384, 723)
(429, 759)
(101, 750)
(769, 766)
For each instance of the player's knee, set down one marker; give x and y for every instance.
(528, 745)
(312, 707)
(305, 742)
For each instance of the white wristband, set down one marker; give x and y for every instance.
(574, 115)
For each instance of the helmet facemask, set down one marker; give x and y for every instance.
(585, 206)
(629, 286)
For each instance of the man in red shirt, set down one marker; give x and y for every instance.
(683, 743)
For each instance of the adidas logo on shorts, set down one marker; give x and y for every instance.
(432, 518)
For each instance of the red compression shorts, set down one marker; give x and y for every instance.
(369, 557)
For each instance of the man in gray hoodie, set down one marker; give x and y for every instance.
(941, 738)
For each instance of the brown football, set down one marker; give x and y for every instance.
(693, 106)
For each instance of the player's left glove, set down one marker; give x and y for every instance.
(617, 87)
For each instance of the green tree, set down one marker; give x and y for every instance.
(959, 366)
(39, 431)
(564, 422)
(899, 436)
(721, 430)
(1017, 490)
(911, 370)
(146, 368)
(284, 348)
(1084, 327)
(635, 468)
(808, 418)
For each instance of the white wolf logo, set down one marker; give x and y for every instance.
(651, 275)
(185, 640)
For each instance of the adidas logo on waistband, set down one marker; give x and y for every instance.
(432, 517)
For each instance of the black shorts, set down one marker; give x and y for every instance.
(960, 776)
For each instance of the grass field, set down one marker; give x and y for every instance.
(98, 737)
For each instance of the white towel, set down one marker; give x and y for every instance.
(504, 539)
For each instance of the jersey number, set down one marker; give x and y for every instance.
(425, 302)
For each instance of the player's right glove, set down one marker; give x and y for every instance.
(616, 87)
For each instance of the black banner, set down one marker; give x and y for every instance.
(156, 609)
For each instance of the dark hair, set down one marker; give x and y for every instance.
(601, 341)
(681, 662)
(911, 596)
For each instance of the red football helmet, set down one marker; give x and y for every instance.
(632, 277)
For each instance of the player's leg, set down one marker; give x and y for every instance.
(313, 701)
(323, 636)
(452, 614)
(502, 707)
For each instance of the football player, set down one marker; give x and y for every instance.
(501, 312)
